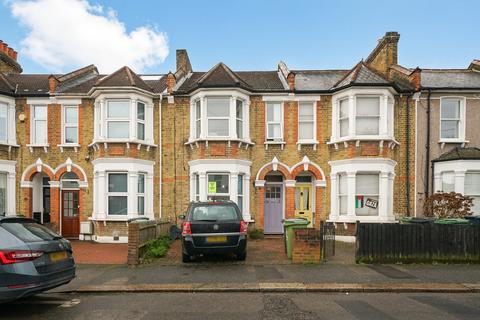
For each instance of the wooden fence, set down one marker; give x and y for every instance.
(429, 242)
(140, 232)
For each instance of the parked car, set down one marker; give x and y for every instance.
(33, 258)
(213, 228)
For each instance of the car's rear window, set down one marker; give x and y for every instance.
(29, 231)
(214, 213)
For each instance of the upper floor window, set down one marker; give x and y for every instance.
(363, 114)
(219, 116)
(452, 119)
(70, 125)
(3, 122)
(274, 121)
(124, 119)
(306, 121)
(39, 125)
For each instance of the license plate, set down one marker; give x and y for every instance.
(58, 256)
(217, 239)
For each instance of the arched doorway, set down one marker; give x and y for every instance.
(70, 205)
(305, 197)
(41, 197)
(274, 211)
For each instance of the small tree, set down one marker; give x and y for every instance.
(448, 205)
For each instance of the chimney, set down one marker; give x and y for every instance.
(171, 82)
(52, 83)
(385, 53)
(291, 81)
(8, 59)
(416, 78)
(475, 65)
(184, 66)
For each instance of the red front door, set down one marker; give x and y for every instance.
(70, 219)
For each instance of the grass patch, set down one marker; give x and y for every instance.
(156, 248)
(256, 234)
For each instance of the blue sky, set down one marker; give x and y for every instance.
(255, 35)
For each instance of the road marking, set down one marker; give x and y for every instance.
(70, 303)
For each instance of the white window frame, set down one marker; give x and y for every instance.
(66, 125)
(240, 191)
(199, 125)
(241, 120)
(116, 194)
(340, 195)
(267, 123)
(108, 119)
(141, 195)
(386, 114)
(371, 173)
(460, 168)
(384, 167)
(462, 121)
(33, 129)
(229, 184)
(224, 118)
(313, 121)
(7, 122)
(357, 116)
(11, 130)
(141, 121)
(343, 118)
(473, 195)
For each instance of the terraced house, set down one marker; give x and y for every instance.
(86, 152)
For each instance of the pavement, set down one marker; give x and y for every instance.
(250, 305)
(268, 270)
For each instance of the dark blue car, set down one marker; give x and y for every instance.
(32, 258)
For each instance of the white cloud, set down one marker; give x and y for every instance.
(65, 34)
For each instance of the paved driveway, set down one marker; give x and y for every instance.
(86, 252)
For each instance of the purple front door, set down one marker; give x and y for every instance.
(273, 209)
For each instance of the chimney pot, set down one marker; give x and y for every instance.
(4, 47)
(10, 52)
(14, 55)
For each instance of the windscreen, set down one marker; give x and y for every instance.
(29, 231)
(214, 213)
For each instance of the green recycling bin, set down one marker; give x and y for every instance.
(289, 225)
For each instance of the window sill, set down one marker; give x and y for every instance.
(301, 143)
(68, 145)
(111, 218)
(127, 142)
(273, 143)
(380, 139)
(9, 145)
(240, 142)
(443, 142)
(32, 146)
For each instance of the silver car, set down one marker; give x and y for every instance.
(32, 258)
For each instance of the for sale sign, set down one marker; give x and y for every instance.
(371, 203)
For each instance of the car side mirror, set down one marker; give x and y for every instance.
(181, 217)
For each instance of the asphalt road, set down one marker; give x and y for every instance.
(250, 306)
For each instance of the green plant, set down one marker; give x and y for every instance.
(256, 234)
(447, 205)
(157, 248)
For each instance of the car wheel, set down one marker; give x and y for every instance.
(241, 256)
(186, 258)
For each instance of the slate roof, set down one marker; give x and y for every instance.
(317, 80)
(5, 86)
(460, 153)
(361, 74)
(450, 79)
(29, 84)
(123, 77)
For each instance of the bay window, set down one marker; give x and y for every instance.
(362, 189)
(472, 189)
(117, 193)
(124, 118)
(70, 125)
(219, 115)
(367, 115)
(306, 121)
(118, 119)
(240, 192)
(448, 182)
(274, 121)
(363, 114)
(3, 193)
(39, 125)
(366, 197)
(218, 186)
(452, 119)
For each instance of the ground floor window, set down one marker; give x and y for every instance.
(221, 180)
(123, 188)
(362, 189)
(472, 189)
(3, 193)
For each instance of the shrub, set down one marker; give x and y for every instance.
(157, 248)
(447, 205)
(256, 234)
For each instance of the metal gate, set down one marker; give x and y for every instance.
(328, 239)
